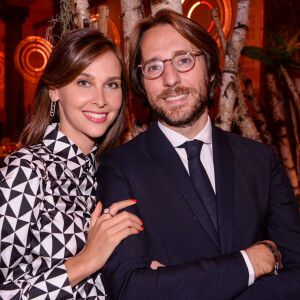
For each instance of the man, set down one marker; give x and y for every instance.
(195, 231)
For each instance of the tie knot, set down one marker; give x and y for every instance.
(192, 148)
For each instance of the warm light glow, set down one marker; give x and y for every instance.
(195, 5)
(27, 48)
(2, 70)
(225, 14)
(192, 9)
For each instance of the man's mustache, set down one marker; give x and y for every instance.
(171, 91)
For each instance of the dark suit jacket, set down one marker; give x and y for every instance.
(254, 202)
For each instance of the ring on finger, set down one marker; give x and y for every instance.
(107, 211)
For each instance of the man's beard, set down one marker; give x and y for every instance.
(184, 120)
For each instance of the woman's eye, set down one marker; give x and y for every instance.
(112, 85)
(83, 83)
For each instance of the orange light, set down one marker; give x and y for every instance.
(30, 46)
(195, 5)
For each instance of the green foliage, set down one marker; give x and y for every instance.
(278, 39)
(257, 53)
(284, 52)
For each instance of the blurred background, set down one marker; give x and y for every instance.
(273, 40)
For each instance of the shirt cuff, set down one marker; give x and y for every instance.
(250, 268)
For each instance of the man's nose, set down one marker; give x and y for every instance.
(171, 77)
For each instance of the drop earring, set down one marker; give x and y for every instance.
(52, 108)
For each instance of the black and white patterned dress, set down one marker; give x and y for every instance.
(47, 193)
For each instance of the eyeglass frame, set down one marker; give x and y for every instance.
(194, 54)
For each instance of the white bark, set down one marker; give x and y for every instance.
(103, 18)
(81, 13)
(284, 145)
(243, 120)
(223, 41)
(175, 5)
(259, 116)
(291, 87)
(228, 91)
(297, 141)
(131, 12)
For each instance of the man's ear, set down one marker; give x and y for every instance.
(53, 94)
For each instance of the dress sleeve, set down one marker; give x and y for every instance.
(24, 275)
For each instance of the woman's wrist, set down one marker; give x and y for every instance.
(78, 268)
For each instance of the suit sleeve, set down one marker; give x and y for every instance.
(127, 274)
(283, 227)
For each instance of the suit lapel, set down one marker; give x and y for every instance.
(224, 176)
(168, 158)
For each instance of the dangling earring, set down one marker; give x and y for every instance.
(52, 108)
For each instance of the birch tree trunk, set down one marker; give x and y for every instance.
(291, 87)
(175, 5)
(223, 41)
(259, 116)
(131, 12)
(242, 118)
(228, 91)
(284, 145)
(81, 13)
(296, 134)
(240, 113)
(103, 18)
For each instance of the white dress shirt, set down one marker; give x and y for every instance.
(206, 157)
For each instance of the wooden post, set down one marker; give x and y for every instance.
(103, 18)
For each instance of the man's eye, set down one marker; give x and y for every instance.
(83, 83)
(153, 68)
(184, 61)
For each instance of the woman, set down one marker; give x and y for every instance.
(52, 247)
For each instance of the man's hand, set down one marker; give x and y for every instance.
(262, 259)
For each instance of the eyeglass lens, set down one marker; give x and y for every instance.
(181, 62)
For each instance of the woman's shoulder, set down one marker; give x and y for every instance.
(24, 161)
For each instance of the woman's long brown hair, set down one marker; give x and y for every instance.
(68, 59)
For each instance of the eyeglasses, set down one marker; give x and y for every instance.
(181, 62)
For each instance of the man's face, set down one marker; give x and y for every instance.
(178, 99)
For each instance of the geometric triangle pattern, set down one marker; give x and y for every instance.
(47, 193)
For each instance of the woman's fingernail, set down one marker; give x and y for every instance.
(141, 222)
(142, 227)
(133, 200)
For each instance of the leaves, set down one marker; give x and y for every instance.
(277, 38)
(257, 53)
(285, 52)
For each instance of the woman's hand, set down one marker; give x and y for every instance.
(105, 233)
(155, 264)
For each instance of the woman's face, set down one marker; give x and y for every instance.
(89, 104)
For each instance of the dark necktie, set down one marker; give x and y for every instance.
(200, 179)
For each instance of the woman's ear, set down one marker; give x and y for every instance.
(212, 77)
(53, 94)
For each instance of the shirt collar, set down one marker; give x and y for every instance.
(60, 145)
(177, 139)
